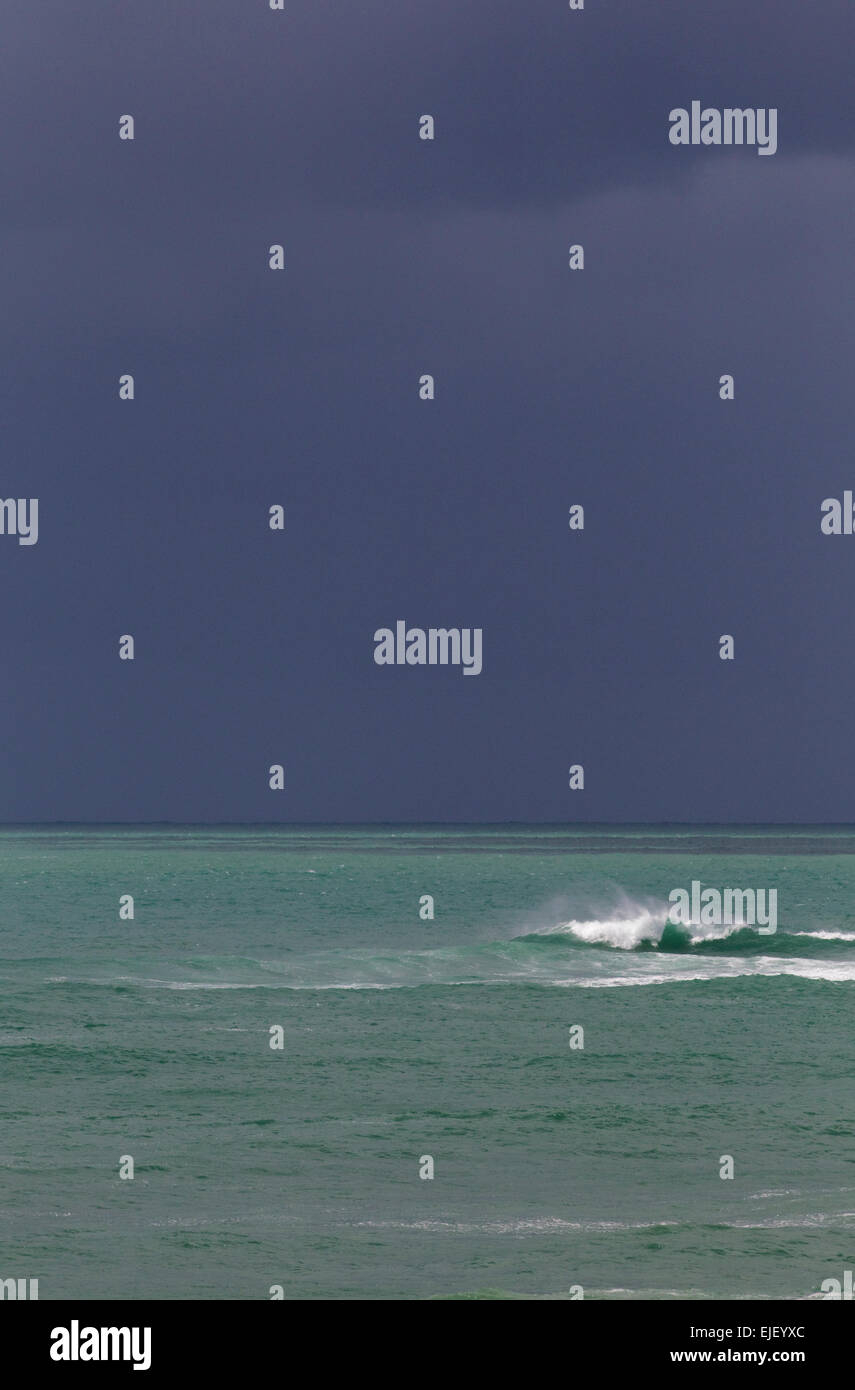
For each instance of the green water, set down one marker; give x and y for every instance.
(299, 1167)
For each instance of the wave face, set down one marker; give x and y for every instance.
(632, 945)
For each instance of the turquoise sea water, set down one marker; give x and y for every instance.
(404, 1038)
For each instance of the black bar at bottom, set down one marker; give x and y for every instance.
(159, 1339)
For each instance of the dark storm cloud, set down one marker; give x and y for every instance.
(534, 103)
(252, 388)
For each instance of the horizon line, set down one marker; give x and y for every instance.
(428, 825)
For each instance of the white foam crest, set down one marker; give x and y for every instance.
(626, 930)
(826, 935)
(635, 923)
(724, 969)
(545, 1225)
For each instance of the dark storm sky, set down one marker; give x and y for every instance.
(553, 387)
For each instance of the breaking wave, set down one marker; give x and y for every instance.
(634, 944)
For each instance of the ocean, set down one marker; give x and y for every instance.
(557, 1170)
